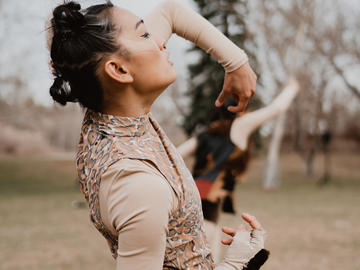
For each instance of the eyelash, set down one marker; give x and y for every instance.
(146, 35)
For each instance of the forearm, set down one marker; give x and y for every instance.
(173, 17)
(282, 102)
(244, 126)
(188, 147)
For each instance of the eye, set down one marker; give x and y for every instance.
(146, 35)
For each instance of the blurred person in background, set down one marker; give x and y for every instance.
(141, 196)
(222, 155)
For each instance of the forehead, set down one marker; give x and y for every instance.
(124, 19)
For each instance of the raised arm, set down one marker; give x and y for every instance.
(244, 126)
(188, 147)
(171, 16)
(174, 17)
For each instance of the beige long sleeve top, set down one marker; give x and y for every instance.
(135, 202)
(135, 199)
(174, 17)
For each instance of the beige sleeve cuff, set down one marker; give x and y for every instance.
(135, 203)
(172, 16)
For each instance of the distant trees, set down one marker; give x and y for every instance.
(329, 52)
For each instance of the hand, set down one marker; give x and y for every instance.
(244, 244)
(241, 85)
(253, 222)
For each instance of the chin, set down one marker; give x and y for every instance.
(174, 77)
(171, 78)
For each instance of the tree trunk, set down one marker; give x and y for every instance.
(271, 178)
(298, 147)
(310, 162)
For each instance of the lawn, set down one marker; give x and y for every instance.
(309, 227)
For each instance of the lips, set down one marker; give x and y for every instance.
(170, 62)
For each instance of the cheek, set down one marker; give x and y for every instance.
(143, 58)
(152, 68)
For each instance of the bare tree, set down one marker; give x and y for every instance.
(318, 64)
(340, 39)
(285, 54)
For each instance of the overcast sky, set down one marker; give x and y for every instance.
(24, 51)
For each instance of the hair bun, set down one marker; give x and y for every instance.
(61, 91)
(68, 19)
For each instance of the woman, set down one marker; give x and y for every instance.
(141, 196)
(222, 155)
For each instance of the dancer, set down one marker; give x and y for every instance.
(141, 196)
(222, 154)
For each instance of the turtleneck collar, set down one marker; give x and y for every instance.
(122, 126)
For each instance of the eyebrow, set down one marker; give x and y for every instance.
(138, 23)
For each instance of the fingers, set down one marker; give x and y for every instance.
(241, 85)
(239, 108)
(253, 222)
(252, 240)
(232, 232)
(227, 241)
(229, 231)
(242, 102)
(221, 98)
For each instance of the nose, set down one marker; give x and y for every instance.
(160, 42)
(163, 45)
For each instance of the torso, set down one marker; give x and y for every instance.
(105, 140)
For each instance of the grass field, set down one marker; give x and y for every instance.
(308, 227)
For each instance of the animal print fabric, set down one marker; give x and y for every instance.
(104, 140)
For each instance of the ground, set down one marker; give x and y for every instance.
(308, 227)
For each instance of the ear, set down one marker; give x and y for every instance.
(118, 71)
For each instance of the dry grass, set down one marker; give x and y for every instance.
(308, 227)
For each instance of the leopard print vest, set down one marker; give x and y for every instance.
(104, 140)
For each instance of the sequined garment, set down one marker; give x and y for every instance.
(104, 140)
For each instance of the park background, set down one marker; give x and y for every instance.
(311, 223)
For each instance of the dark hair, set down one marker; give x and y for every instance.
(80, 39)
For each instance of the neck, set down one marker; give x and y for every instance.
(127, 102)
